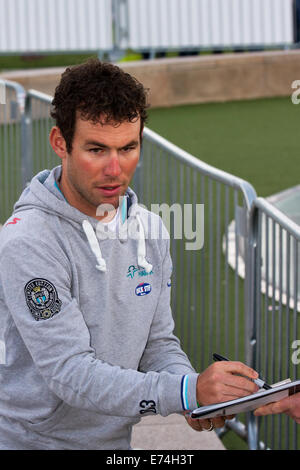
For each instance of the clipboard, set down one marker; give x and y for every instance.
(278, 391)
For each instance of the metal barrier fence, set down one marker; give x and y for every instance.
(39, 126)
(224, 298)
(210, 302)
(12, 131)
(207, 295)
(275, 328)
(24, 148)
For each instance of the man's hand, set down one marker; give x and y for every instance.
(289, 405)
(206, 424)
(222, 381)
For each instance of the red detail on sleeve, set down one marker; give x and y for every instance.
(14, 222)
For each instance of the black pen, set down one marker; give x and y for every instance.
(261, 383)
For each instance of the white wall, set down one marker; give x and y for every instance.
(86, 25)
(55, 25)
(206, 23)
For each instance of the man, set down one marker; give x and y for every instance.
(84, 287)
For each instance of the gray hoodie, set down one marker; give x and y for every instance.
(86, 331)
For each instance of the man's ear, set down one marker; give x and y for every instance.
(58, 142)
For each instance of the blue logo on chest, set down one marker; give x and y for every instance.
(132, 270)
(143, 289)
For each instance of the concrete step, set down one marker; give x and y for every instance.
(172, 433)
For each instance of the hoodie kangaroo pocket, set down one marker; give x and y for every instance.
(48, 423)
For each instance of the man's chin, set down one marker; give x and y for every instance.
(107, 204)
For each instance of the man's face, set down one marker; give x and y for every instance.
(102, 162)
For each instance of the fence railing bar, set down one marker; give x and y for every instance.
(258, 318)
(273, 374)
(188, 188)
(211, 265)
(195, 300)
(218, 263)
(236, 282)
(295, 324)
(203, 290)
(280, 328)
(287, 322)
(181, 259)
(278, 216)
(226, 268)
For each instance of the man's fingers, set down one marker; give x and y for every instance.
(289, 405)
(198, 424)
(240, 383)
(236, 367)
(269, 409)
(218, 422)
(230, 417)
(224, 381)
(281, 406)
(205, 424)
(229, 393)
(230, 386)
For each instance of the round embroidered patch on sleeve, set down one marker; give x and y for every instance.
(42, 299)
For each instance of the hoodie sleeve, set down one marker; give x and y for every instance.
(60, 346)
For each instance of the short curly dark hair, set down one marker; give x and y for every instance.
(96, 89)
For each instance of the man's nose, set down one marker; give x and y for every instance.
(113, 167)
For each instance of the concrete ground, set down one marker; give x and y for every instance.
(172, 433)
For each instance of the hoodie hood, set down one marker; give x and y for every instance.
(43, 193)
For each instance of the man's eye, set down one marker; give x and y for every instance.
(96, 150)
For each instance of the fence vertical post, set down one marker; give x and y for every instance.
(26, 142)
(119, 29)
(26, 138)
(250, 312)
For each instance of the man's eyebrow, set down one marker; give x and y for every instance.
(95, 143)
(132, 143)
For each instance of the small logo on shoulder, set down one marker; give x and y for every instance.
(42, 299)
(143, 289)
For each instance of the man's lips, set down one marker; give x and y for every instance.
(109, 190)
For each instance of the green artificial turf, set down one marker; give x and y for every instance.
(256, 140)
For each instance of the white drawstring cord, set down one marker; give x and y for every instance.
(142, 262)
(95, 247)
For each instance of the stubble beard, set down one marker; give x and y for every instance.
(87, 198)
